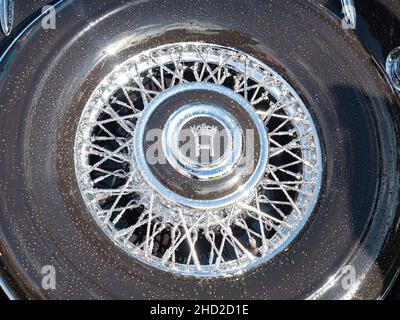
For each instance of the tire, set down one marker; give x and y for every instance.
(49, 76)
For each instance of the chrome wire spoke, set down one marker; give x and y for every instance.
(162, 231)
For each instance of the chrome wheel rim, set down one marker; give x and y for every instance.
(198, 233)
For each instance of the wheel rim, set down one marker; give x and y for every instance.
(218, 227)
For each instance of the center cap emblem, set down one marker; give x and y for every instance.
(201, 132)
(203, 142)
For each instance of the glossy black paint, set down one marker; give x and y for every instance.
(378, 22)
(24, 12)
(383, 269)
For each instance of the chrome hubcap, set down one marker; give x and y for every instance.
(225, 149)
(198, 159)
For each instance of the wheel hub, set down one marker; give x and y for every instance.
(211, 147)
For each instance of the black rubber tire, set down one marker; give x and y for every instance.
(48, 77)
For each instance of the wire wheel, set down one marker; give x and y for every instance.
(184, 216)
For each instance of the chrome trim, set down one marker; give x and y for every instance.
(7, 16)
(350, 14)
(6, 289)
(393, 67)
